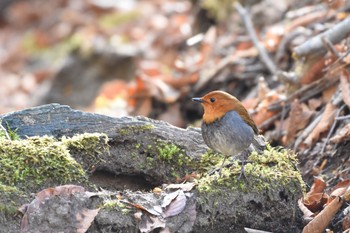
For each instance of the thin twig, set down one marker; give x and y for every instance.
(343, 117)
(3, 128)
(332, 128)
(250, 29)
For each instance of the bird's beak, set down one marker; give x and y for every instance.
(200, 100)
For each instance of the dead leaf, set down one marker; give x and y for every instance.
(343, 135)
(307, 213)
(299, 117)
(262, 113)
(149, 223)
(318, 186)
(316, 201)
(311, 70)
(340, 188)
(321, 221)
(176, 206)
(328, 93)
(322, 126)
(85, 218)
(169, 198)
(345, 86)
(184, 187)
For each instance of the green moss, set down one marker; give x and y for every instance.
(8, 197)
(91, 145)
(35, 160)
(171, 153)
(273, 168)
(135, 129)
(8, 208)
(208, 160)
(12, 133)
(165, 153)
(115, 204)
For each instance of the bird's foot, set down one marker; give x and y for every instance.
(241, 174)
(216, 169)
(219, 169)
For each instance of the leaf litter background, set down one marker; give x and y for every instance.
(287, 61)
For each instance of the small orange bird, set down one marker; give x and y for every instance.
(227, 126)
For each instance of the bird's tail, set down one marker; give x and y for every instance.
(258, 144)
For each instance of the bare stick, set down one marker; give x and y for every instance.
(315, 45)
(250, 28)
(3, 128)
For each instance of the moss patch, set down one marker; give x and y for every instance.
(9, 195)
(91, 145)
(9, 132)
(273, 168)
(35, 160)
(135, 129)
(45, 160)
(165, 153)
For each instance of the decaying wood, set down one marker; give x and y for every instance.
(315, 45)
(131, 141)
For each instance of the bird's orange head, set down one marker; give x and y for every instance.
(217, 103)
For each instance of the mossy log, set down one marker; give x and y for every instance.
(144, 154)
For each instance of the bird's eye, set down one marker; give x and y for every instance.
(212, 99)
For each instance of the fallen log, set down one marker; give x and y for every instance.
(143, 154)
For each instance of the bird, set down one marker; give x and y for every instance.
(228, 128)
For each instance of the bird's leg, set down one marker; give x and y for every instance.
(241, 174)
(218, 169)
(222, 165)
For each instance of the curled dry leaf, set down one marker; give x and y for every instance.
(321, 221)
(324, 124)
(316, 201)
(169, 198)
(176, 206)
(318, 186)
(340, 188)
(316, 198)
(307, 213)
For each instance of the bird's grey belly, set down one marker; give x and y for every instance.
(227, 139)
